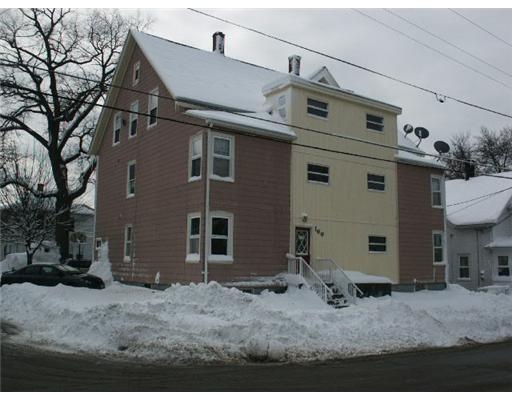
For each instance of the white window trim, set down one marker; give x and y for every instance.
(132, 115)
(231, 177)
(382, 183)
(460, 266)
(509, 266)
(377, 252)
(319, 173)
(192, 158)
(443, 262)
(98, 239)
(120, 114)
(136, 66)
(317, 108)
(128, 194)
(154, 92)
(128, 258)
(193, 257)
(376, 123)
(441, 187)
(217, 258)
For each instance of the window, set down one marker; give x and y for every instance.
(437, 195)
(281, 106)
(464, 267)
(438, 247)
(376, 182)
(49, 270)
(377, 244)
(136, 73)
(222, 168)
(134, 114)
(31, 270)
(194, 237)
(195, 156)
(130, 185)
(503, 266)
(317, 108)
(128, 243)
(221, 238)
(97, 248)
(153, 107)
(318, 173)
(118, 122)
(375, 123)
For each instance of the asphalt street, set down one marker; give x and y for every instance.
(469, 368)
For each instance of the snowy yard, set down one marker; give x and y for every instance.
(209, 323)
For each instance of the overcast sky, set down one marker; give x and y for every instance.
(346, 34)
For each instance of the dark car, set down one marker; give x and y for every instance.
(52, 275)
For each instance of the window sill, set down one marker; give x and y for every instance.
(319, 183)
(149, 127)
(192, 258)
(194, 179)
(127, 259)
(464, 279)
(377, 252)
(115, 143)
(222, 179)
(374, 131)
(439, 264)
(438, 207)
(318, 117)
(377, 191)
(131, 136)
(130, 196)
(220, 259)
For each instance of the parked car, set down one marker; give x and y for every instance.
(82, 265)
(52, 275)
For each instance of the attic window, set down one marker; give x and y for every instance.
(136, 73)
(374, 122)
(324, 81)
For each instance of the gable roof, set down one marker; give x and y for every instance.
(324, 76)
(486, 208)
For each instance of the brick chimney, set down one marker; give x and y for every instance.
(218, 42)
(294, 65)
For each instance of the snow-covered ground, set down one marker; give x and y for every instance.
(210, 323)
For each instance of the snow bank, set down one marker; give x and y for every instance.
(102, 268)
(210, 323)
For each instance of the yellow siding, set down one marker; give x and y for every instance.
(345, 210)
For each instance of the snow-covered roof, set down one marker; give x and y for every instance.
(489, 197)
(500, 242)
(205, 76)
(82, 209)
(260, 122)
(360, 277)
(418, 157)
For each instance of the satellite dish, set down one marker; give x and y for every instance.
(441, 147)
(408, 128)
(421, 133)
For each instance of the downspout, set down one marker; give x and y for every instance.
(93, 247)
(207, 208)
(477, 260)
(447, 269)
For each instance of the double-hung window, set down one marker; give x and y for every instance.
(377, 244)
(153, 107)
(128, 243)
(503, 266)
(118, 122)
(193, 237)
(136, 73)
(375, 123)
(221, 237)
(317, 108)
(134, 114)
(130, 181)
(376, 182)
(195, 156)
(438, 247)
(318, 173)
(223, 157)
(464, 267)
(436, 185)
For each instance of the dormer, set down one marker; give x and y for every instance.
(325, 77)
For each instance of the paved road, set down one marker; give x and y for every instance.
(475, 368)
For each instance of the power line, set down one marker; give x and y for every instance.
(480, 27)
(447, 42)
(480, 197)
(433, 49)
(426, 90)
(211, 107)
(331, 134)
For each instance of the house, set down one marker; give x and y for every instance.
(83, 223)
(479, 219)
(210, 168)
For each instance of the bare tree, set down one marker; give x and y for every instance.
(55, 66)
(25, 217)
(461, 148)
(494, 149)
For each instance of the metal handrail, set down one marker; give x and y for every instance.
(309, 274)
(345, 283)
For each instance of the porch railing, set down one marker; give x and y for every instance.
(298, 266)
(329, 271)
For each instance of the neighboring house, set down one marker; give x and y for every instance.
(226, 196)
(479, 215)
(83, 221)
(421, 201)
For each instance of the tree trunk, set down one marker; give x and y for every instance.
(62, 227)
(29, 257)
